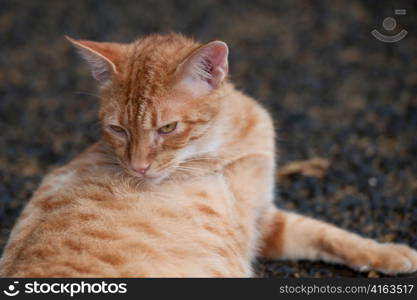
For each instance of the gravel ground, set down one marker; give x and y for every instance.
(334, 90)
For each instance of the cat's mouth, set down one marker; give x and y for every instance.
(154, 175)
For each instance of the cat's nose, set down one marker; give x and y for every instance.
(141, 168)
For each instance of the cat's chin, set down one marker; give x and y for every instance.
(156, 179)
(148, 178)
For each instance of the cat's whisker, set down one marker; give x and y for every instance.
(97, 96)
(205, 158)
(192, 169)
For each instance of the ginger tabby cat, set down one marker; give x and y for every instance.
(180, 184)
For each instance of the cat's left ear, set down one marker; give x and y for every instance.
(103, 58)
(205, 69)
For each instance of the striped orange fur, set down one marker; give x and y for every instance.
(180, 183)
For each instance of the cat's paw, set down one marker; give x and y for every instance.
(394, 259)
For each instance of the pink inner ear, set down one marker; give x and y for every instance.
(216, 62)
(204, 70)
(219, 56)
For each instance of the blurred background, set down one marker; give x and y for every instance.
(345, 103)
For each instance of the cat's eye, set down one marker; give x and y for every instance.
(168, 128)
(118, 130)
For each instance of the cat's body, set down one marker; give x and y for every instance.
(192, 198)
(89, 219)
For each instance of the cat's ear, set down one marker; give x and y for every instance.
(102, 57)
(205, 68)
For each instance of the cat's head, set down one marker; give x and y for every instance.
(159, 99)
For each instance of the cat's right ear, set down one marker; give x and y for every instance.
(102, 57)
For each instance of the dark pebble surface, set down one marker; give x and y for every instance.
(334, 90)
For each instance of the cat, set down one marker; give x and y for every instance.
(180, 184)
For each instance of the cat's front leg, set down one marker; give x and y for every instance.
(292, 236)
